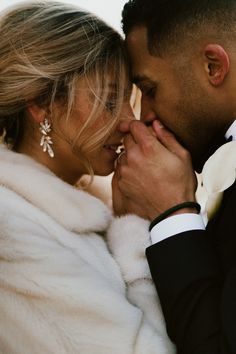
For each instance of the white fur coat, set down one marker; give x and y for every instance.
(72, 278)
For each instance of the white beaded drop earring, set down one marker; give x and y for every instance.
(46, 140)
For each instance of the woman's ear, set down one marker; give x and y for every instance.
(37, 113)
(217, 64)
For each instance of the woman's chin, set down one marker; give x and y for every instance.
(104, 169)
(104, 164)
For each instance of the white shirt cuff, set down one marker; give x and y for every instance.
(176, 224)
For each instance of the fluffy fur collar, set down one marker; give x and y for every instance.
(74, 209)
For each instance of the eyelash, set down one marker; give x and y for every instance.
(111, 105)
(148, 91)
(112, 102)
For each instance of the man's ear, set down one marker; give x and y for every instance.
(36, 112)
(217, 64)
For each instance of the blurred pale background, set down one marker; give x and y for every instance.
(109, 10)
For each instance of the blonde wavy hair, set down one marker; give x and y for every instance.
(45, 48)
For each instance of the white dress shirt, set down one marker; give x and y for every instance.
(177, 224)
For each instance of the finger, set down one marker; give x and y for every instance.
(121, 159)
(116, 175)
(151, 130)
(115, 178)
(124, 127)
(145, 139)
(129, 142)
(140, 132)
(167, 138)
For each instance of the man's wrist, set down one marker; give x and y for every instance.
(175, 225)
(185, 211)
(181, 208)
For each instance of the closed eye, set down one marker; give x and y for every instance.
(146, 85)
(111, 105)
(148, 90)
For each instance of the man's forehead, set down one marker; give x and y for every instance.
(146, 67)
(137, 39)
(138, 52)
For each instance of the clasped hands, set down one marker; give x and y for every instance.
(153, 174)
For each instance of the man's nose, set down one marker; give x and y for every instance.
(147, 112)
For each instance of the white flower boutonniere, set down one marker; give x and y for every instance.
(218, 174)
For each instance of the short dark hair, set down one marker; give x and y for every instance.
(168, 21)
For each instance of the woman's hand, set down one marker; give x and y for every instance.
(123, 205)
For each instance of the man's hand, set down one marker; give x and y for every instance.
(154, 174)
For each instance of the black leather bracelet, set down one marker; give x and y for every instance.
(175, 208)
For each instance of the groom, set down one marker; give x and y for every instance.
(183, 58)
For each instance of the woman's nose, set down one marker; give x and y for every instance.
(127, 117)
(127, 114)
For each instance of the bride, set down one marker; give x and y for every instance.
(73, 278)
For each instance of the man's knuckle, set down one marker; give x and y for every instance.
(132, 156)
(148, 147)
(185, 154)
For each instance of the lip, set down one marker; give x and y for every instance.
(113, 145)
(112, 148)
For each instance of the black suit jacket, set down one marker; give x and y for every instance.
(195, 276)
